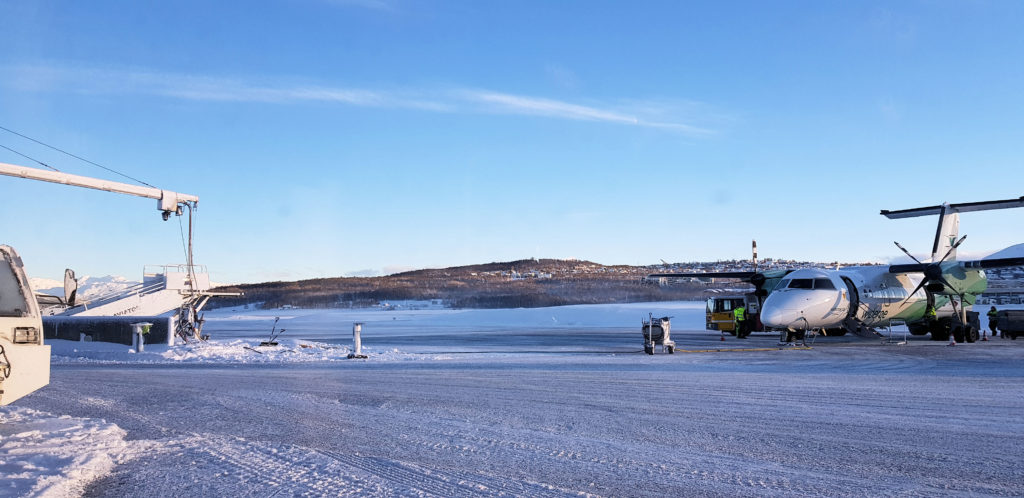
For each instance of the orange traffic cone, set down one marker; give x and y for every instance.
(952, 340)
(723, 336)
(984, 335)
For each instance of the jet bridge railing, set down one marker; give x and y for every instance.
(134, 289)
(183, 277)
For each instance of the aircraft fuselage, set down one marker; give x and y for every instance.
(820, 299)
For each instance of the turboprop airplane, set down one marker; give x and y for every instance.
(861, 298)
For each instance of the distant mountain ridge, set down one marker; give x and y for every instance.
(88, 287)
(526, 283)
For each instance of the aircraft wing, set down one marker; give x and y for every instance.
(908, 268)
(980, 263)
(993, 263)
(745, 275)
(964, 207)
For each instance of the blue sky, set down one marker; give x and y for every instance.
(342, 137)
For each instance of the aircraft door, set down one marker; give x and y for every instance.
(851, 291)
(753, 304)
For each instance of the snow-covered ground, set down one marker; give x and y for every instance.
(550, 401)
(51, 455)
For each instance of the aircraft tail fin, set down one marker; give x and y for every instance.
(945, 235)
(949, 221)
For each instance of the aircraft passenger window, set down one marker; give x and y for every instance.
(823, 283)
(801, 283)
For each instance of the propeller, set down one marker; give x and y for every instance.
(932, 271)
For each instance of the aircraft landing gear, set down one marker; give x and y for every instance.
(971, 334)
(958, 334)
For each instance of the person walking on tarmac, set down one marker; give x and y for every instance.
(993, 321)
(740, 320)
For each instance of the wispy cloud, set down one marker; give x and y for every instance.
(215, 89)
(520, 104)
(517, 104)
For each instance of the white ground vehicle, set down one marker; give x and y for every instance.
(24, 359)
(658, 332)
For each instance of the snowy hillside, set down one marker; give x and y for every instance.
(44, 285)
(88, 287)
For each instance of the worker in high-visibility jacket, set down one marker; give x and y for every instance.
(930, 317)
(740, 320)
(993, 321)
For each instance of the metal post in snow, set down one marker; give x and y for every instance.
(138, 335)
(357, 342)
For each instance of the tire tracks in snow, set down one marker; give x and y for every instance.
(444, 483)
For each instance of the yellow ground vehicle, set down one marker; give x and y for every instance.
(719, 312)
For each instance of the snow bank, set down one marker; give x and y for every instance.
(229, 351)
(45, 455)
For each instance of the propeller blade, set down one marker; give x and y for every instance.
(948, 285)
(923, 282)
(953, 248)
(905, 251)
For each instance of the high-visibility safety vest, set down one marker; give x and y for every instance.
(930, 312)
(738, 313)
(993, 314)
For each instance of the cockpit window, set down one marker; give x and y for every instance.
(808, 283)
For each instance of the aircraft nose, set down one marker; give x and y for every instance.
(776, 317)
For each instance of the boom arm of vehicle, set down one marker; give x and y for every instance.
(167, 201)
